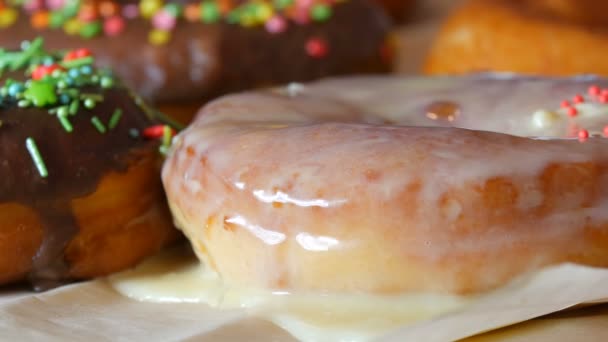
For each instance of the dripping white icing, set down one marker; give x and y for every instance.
(177, 277)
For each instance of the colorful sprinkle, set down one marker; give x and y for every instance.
(316, 48)
(32, 148)
(276, 24)
(115, 119)
(98, 125)
(583, 135)
(593, 90)
(112, 17)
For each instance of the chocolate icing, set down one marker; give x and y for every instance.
(202, 61)
(76, 163)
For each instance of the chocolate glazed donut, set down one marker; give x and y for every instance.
(93, 204)
(201, 60)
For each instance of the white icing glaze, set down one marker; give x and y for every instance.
(354, 162)
(176, 277)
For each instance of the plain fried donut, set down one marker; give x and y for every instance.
(392, 185)
(545, 37)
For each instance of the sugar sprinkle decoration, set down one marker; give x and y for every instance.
(64, 85)
(111, 18)
(32, 148)
(595, 96)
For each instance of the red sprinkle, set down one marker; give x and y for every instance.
(606, 131)
(594, 90)
(156, 132)
(583, 135)
(565, 104)
(572, 112)
(44, 70)
(77, 54)
(316, 48)
(603, 98)
(578, 98)
(114, 25)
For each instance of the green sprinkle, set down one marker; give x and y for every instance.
(174, 9)
(90, 30)
(106, 82)
(163, 149)
(76, 63)
(210, 12)
(89, 103)
(62, 111)
(320, 12)
(23, 103)
(94, 97)
(166, 135)
(73, 109)
(281, 4)
(30, 144)
(40, 93)
(115, 118)
(65, 123)
(98, 125)
(56, 19)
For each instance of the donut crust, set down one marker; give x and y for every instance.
(550, 37)
(121, 223)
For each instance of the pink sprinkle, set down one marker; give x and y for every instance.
(114, 26)
(578, 99)
(276, 24)
(304, 3)
(565, 104)
(593, 90)
(163, 20)
(55, 4)
(583, 135)
(130, 11)
(301, 16)
(606, 131)
(33, 5)
(572, 112)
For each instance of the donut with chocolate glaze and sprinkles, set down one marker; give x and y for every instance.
(177, 52)
(80, 194)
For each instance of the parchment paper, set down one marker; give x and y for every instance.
(93, 311)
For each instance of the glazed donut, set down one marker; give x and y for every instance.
(190, 51)
(546, 37)
(394, 185)
(80, 193)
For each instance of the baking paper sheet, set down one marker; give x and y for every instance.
(94, 311)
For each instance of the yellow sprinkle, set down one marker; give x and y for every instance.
(72, 26)
(248, 20)
(147, 8)
(158, 37)
(264, 12)
(8, 16)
